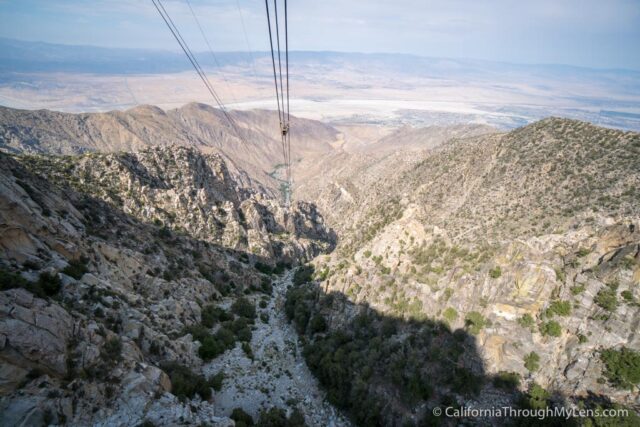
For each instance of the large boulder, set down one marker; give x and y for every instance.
(34, 334)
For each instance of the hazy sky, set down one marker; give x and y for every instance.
(593, 33)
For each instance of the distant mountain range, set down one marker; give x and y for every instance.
(27, 56)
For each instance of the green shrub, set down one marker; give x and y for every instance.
(226, 336)
(466, 382)
(164, 232)
(560, 308)
(277, 417)
(536, 397)
(450, 314)
(186, 384)
(216, 381)
(388, 327)
(583, 252)
(266, 287)
(211, 315)
(496, 272)
(577, 289)
(418, 388)
(76, 268)
(622, 367)
(532, 361)
(475, 322)
(303, 274)
(281, 267)
(317, 324)
(237, 325)
(627, 295)
(241, 418)
(48, 284)
(607, 299)
(323, 274)
(507, 380)
(198, 332)
(111, 351)
(9, 280)
(247, 350)
(244, 308)
(551, 328)
(210, 348)
(297, 307)
(631, 419)
(526, 321)
(263, 268)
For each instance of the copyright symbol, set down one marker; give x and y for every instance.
(437, 411)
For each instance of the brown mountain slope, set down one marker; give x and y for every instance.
(196, 125)
(356, 175)
(535, 179)
(408, 138)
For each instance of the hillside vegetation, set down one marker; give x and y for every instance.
(528, 241)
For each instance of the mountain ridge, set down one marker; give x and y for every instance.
(173, 58)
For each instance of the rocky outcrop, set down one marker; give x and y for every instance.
(181, 188)
(34, 336)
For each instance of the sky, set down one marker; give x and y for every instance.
(589, 33)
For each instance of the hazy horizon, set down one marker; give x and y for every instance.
(583, 33)
(389, 89)
(203, 53)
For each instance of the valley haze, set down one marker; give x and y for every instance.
(383, 89)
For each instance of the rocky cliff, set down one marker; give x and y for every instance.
(185, 190)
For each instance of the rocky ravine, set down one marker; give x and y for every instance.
(286, 382)
(109, 311)
(183, 189)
